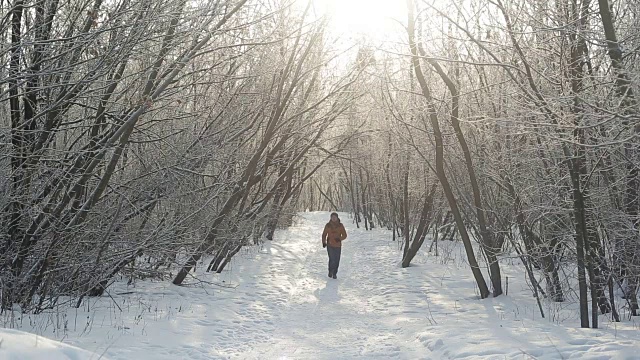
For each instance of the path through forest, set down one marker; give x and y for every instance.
(282, 305)
(376, 309)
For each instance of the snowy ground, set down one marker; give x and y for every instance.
(280, 304)
(19, 345)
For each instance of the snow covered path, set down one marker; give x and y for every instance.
(359, 315)
(376, 309)
(282, 305)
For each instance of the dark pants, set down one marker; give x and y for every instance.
(334, 259)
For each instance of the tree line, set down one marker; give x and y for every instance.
(140, 138)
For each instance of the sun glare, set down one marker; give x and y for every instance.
(373, 20)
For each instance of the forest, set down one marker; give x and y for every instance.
(141, 140)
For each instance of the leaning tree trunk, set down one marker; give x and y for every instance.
(440, 170)
(424, 223)
(488, 241)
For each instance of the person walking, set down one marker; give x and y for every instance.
(332, 236)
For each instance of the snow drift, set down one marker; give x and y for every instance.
(19, 345)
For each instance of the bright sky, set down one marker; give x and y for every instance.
(373, 20)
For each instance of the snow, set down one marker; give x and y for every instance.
(276, 302)
(19, 345)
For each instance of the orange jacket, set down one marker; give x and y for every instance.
(333, 234)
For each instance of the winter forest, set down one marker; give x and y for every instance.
(173, 151)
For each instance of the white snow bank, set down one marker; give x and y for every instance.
(19, 345)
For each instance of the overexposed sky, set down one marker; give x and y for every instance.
(374, 20)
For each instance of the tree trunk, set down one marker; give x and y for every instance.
(624, 91)
(406, 223)
(424, 223)
(440, 170)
